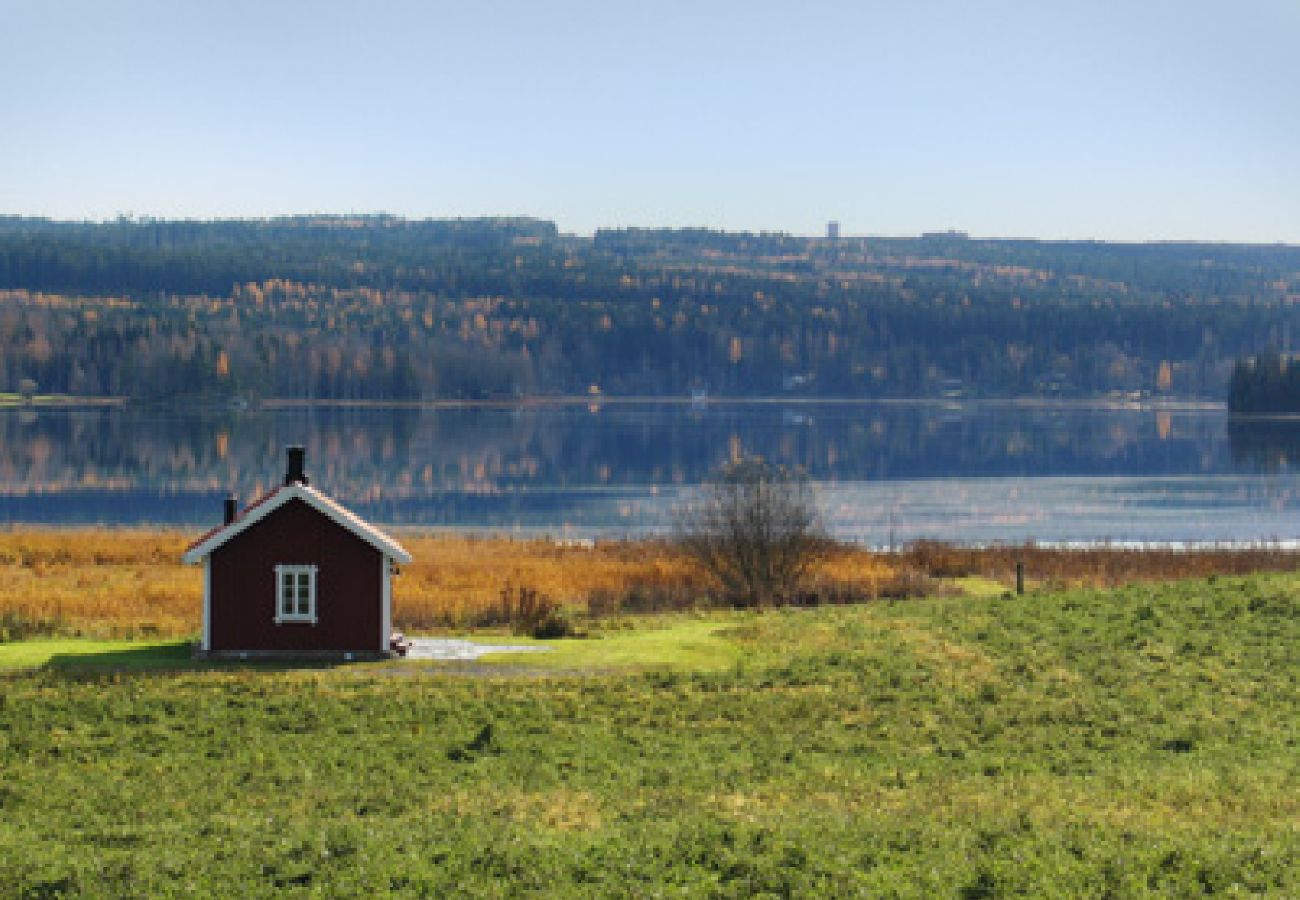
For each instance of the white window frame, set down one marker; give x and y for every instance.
(294, 611)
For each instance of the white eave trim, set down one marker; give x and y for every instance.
(317, 501)
(386, 604)
(206, 640)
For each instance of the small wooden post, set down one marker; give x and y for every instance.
(1020, 578)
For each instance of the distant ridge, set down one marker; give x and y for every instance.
(379, 307)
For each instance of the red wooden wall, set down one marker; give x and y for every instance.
(348, 590)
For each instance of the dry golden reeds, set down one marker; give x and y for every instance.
(97, 582)
(1100, 566)
(113, 583)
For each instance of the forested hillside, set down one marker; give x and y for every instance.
(1267, 384)
(379, 307)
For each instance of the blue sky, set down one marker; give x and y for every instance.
(1110, 119)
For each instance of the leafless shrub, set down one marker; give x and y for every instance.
(531, 612)
(755, 531)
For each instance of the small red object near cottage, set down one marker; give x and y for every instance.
(296, 575)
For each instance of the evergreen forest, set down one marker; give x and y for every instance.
(385, 308)
(1267, 384)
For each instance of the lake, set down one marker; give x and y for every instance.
(886, 472)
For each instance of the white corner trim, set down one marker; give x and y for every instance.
(317, 501)
(386, 605)
(205, 643)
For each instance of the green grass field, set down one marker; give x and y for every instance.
(1137, 742)
(697, 644)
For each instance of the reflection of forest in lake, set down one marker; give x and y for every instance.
(614, 467)
(1264, 444)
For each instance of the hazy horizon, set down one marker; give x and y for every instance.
(845, 233)
(1106, 120)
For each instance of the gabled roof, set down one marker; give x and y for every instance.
(268, 504)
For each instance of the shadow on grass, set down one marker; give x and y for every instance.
(155, 656)
(167, 658)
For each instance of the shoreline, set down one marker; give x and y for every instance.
(558, 539)
(60, 401)
(1172, 404)
(599, 400)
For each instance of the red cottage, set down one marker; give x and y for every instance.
(296, 575)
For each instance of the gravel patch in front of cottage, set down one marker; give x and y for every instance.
(454, 649)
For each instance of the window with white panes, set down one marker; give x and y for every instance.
(295, 594)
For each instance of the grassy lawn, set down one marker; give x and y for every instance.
(1135, 742)
(681, 643)
(979, 586)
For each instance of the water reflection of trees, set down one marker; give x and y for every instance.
(1265, 445)
(378, 457)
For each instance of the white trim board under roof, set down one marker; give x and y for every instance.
(317, 501)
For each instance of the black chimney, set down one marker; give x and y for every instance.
(294, 473)
(231, 507)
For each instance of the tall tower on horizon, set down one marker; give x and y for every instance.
(832, 230)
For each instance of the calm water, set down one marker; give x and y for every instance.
(886, 472)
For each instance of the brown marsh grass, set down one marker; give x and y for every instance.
(97, 582)
(458, 581)
(113, 583)
(129, 582)
(1092, 567)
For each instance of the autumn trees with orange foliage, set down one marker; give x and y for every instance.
(380, 308)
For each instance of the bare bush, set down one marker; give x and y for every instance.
(755, 530)
(533, 613)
